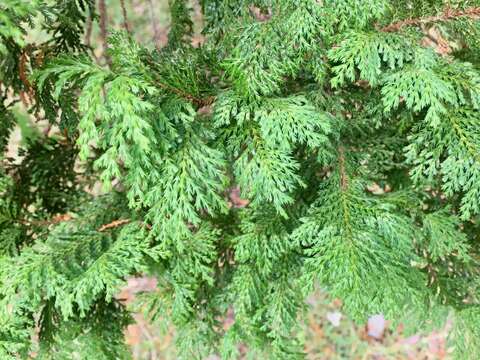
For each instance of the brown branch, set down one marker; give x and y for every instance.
(102, 9)
(120, 222)
(195, 100)
(22, 70)
(88, 36)
(200, 102)
(22, 73)
(448, 14)
(126, 25)
(113, 224)
(88, 31)
(341, 167)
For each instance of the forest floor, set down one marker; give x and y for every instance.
(328, 334)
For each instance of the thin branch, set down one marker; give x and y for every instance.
(341, 167)
(113, 224)
(344, 198)
(88, 32)
(200, 102)
(448, 14)
(88, 35)
(22, 69)
(195, 100)
(120, 222)
(126, 25)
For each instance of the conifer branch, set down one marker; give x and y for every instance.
(447, 15)
(275, 133)
(464, 139)
(22, 69)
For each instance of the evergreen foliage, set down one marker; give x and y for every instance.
(354, 143)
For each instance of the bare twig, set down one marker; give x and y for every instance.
(448, 14)
(126, 25)
(114, 224)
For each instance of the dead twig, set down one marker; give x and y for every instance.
(114, 224)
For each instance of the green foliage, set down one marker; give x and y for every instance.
(6, 125)
(12, 13)
(182, 25)
(349, 237)
(46, 165)
(98, 335)
(369, 53)
(65, 20)
(304, 142)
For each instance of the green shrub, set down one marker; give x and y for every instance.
(303, 142)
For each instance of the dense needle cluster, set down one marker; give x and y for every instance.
(350, 127)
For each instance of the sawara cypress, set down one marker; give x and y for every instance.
(302, 143)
